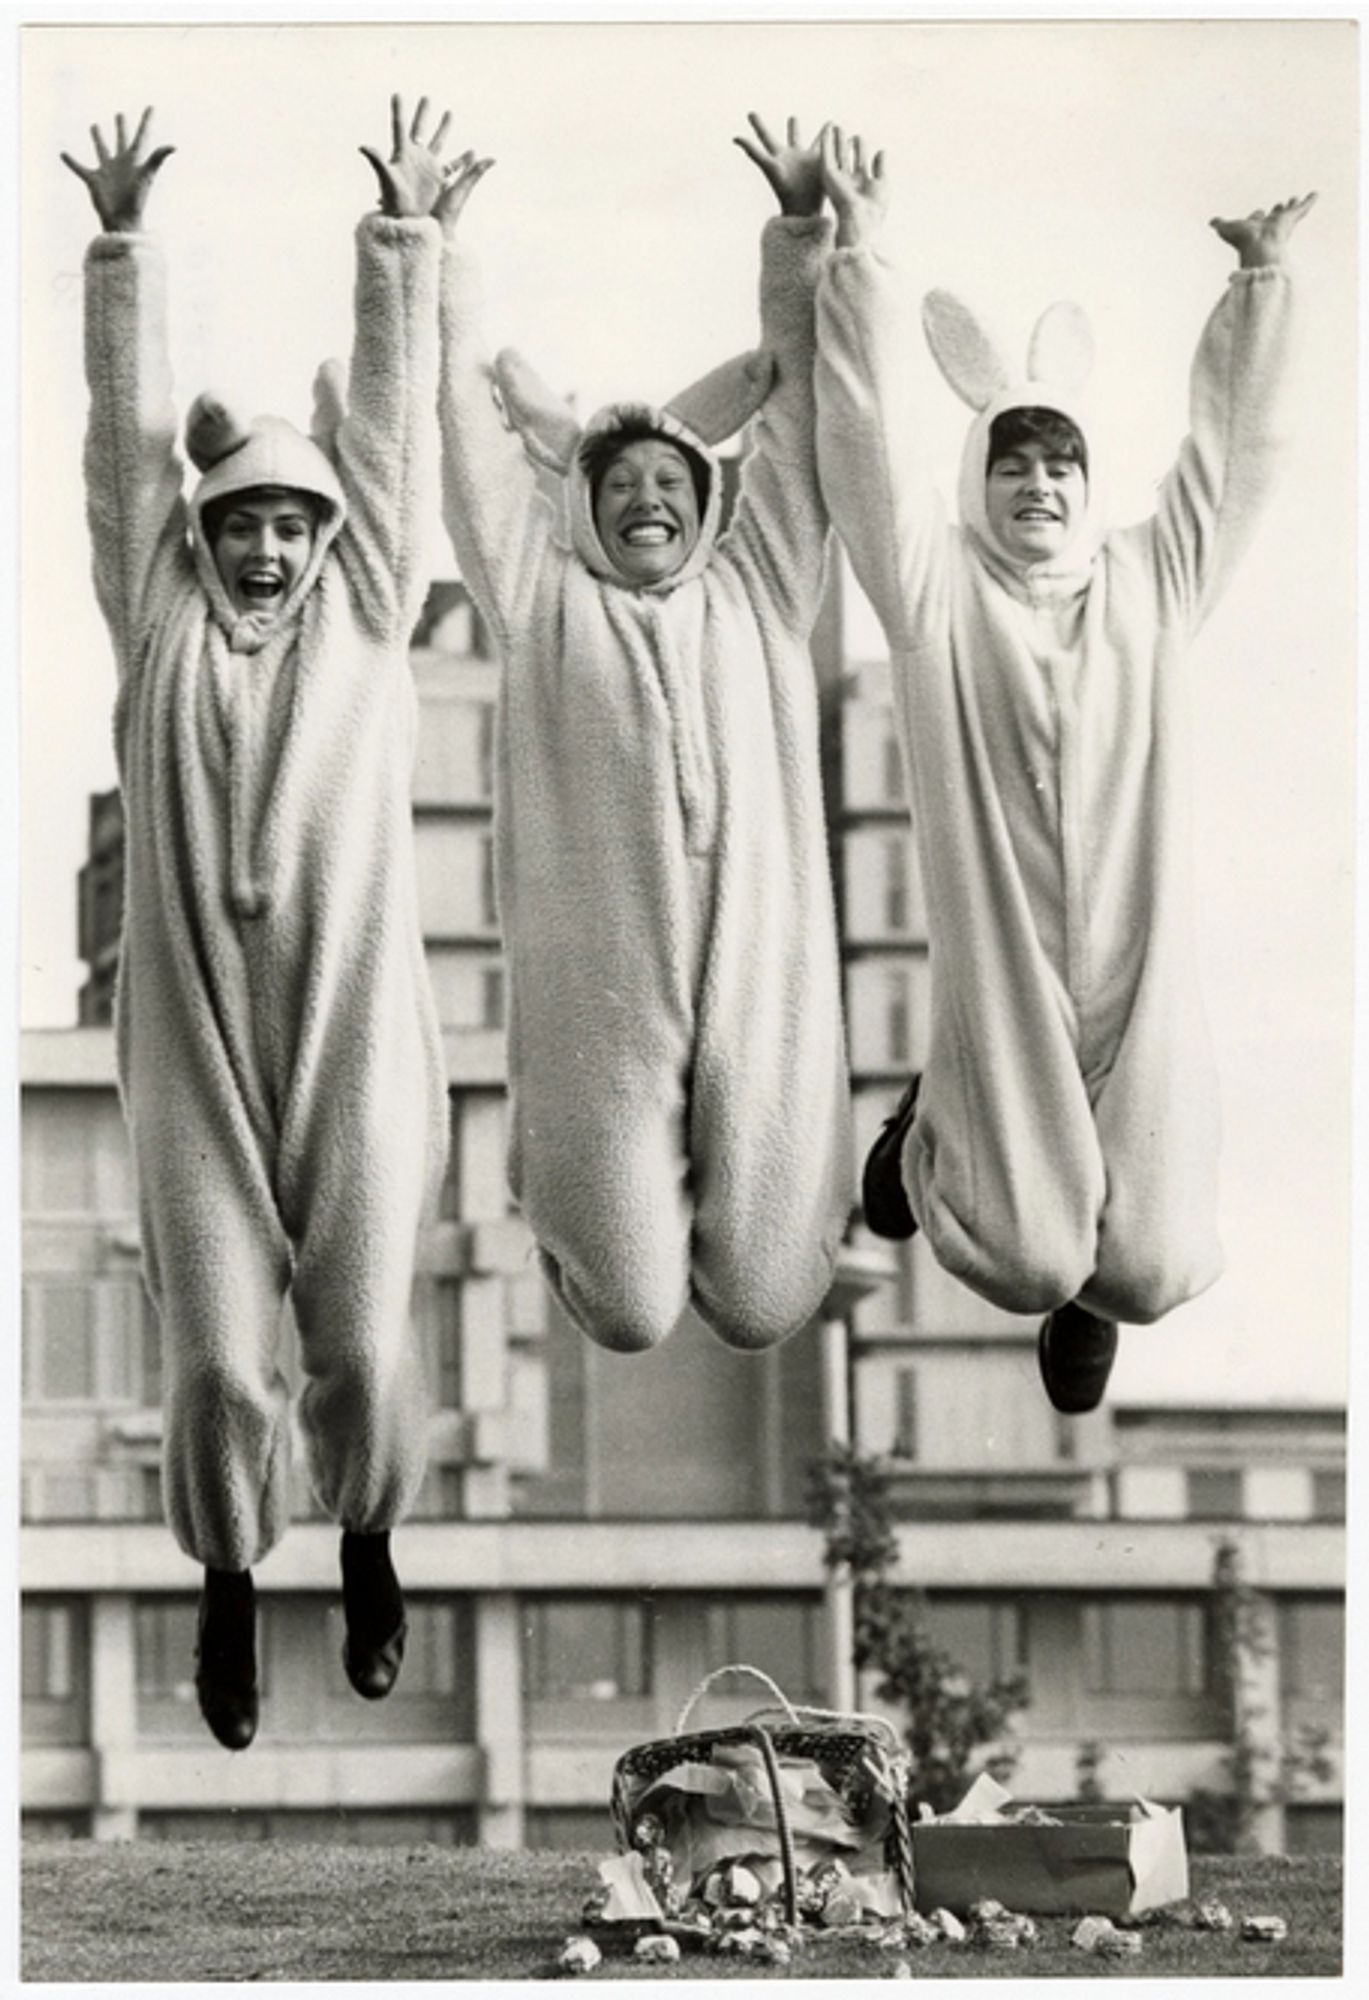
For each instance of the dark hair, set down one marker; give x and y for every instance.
(1056, 434)
(215, 512)
(600, 449)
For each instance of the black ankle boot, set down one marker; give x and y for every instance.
(373, 1605)
(1076, 1351)
(884, 1198)
(226, 1656)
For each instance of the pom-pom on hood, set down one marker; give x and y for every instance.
(1059, 362)
(699, 418)
(235, 455)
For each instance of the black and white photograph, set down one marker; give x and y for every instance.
(684, 708)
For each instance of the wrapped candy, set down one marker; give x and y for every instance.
(657, 1949)
(1089, 1931)
(1264, 1930)
(949, 1926)
(579, 1954)
(1213, 1916)
(1120, 1944)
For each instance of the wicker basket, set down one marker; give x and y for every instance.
(860, 1756)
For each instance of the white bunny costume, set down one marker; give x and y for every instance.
(676, 1056)
(279, 1055)
(1066, 1137)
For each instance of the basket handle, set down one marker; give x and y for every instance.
(736, 1667)
(805, 1711)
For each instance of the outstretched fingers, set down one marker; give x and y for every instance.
(762, 132)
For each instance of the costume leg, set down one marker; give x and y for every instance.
(217, 1265)
(1159, 1126)
(770, 1112)
(357, 1185)
(603, 1186)
(1003, 1168)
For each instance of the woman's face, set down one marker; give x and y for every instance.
(646, 511)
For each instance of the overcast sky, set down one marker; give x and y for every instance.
(1030, 161)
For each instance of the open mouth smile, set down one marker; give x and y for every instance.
(647, 535)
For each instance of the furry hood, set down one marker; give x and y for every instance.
(698, 419)
(233, 456)
(1059, 361)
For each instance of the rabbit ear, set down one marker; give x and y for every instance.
(1061, 351)
(330, 405)
(545, 421)
(719, 403)
(212, 430)
(966, 354)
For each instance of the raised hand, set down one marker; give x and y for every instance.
(1262, 236)
(413, 177)
(460, 177)
(120, 182)
(793, 170)
(858, 191)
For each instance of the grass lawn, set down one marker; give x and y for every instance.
(218, 1911)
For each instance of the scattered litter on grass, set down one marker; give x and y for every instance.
(579, 1954)
(1090, 1931)
(660, 1949)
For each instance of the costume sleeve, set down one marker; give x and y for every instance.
(134, 476)
(778, 530)
(498, 520)
(878, 492)
(1211, 500)
(385, 448)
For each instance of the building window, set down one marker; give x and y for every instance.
(782, 1636)
(898, 1031)
(59, 1343)
(489, 903)
(435, 1659)
(492, 996)
(891, 768)
(905, 1413)
(587, 1648)
(83, 1341)
(1314, 1829)
(985, 1637)
(1216, 1493)
(1328, 1496)
(485, 749)
(48, 1646)
(150, 1332)
(446, 1359)
(1314, 1649)
(164, 1633)
(1146, 1646)
(896, 916)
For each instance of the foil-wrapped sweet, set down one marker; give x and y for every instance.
(579, 1954)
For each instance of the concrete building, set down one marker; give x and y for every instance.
(597, 1532)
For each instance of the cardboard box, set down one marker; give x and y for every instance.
(1112, 1859)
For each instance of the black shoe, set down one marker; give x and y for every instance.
(373, 1605)
(883, 1195)
(226, 1656)
(1076, 1351)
